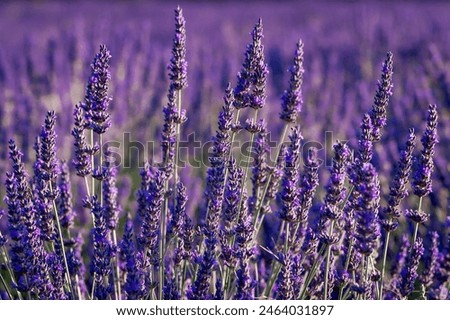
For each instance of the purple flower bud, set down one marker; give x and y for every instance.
(292, 100)
(96, 100)
(424, 163)
(366, 210)
(398, 186)
(431, 262)
(381, 100)
(82, 159)
(409, 272)
(65, 210)
(134, 283)
(178, 65)
(251, 87)
(288, 196)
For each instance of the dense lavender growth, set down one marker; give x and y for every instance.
(267, 212)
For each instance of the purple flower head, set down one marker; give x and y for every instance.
(285, 282)
(178, 65)
(409, 273)
(292, 100)
(250, 90)
(308, 185)
(244, 282)
(169, 134)
(288, 195)
(103, 251)
(65, 210)
(424, 163)
(83, 153)
(381, 100)
(365, 151)
(417, 216)
(47, 152)
(232, 197)
(96, 100)
(176, 223)
(134, 283)
(151, 198)
(32, 256)
(431, 262)
(366, 210)
(398, 186)
(222, 139)
(335, 187)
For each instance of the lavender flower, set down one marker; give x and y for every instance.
(398, 186)
(134, 283)
(45, 175)
(381, 100)
(292, 100)
(285, 281)
(104, 251)
(176, 224)
(308, 185)
(366, 210)
(151, 198)
(96, 101)
(288, 196)
(424, 165)
(431, 262)
(409, 272)
(83, 153)
(65, 210)
(365, 151)
(168, 135)
(178, 64)
(35, 274)
(251, 86)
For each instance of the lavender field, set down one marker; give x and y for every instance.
(224, 150)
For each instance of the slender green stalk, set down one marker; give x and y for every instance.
(383, 266)
(416, 227)
(327, 264)
(6, 287)
(61, 239)
(11, 274)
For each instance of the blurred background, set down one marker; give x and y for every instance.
(46, 48)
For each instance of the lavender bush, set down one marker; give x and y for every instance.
(263, 211)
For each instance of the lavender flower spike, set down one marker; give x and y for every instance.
(96, 101)
(292, 100)
(82, 159)
(381, 100)
(366, 210)
(398, 186)
(424, 165)
(288, 196)
(65, 209)
(178, 64)
(409, 272)
(251, 84)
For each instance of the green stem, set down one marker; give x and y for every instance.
(63, 249)
(6, 287)
(327, 264)
(383, 266)
(11, 274)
